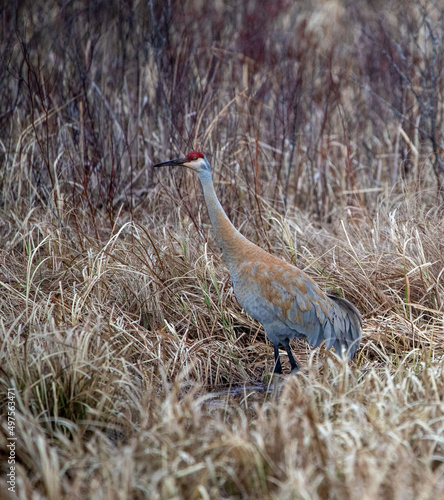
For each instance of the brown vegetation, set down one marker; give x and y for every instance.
(135, 372)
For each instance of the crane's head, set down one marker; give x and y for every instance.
(195, 161)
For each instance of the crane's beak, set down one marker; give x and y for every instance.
(171, 163)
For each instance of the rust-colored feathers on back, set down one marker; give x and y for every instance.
(274, 291)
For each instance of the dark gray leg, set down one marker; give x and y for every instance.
(277, 359)
(286, 344)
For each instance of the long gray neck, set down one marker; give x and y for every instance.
(228, 238)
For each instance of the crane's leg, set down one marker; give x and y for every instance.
(294, 366)
(277, 359)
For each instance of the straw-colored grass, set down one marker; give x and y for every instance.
(117, 357)
(127, 367)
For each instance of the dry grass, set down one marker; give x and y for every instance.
(135, 372)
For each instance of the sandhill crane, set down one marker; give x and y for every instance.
(281, 297)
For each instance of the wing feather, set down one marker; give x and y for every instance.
(328, 318)
(291, 298)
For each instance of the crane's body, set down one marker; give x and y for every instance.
(281, 297)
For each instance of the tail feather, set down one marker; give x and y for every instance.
(347, 325)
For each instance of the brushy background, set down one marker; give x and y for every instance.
(135, 372)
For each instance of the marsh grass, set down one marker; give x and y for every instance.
(135, 372)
